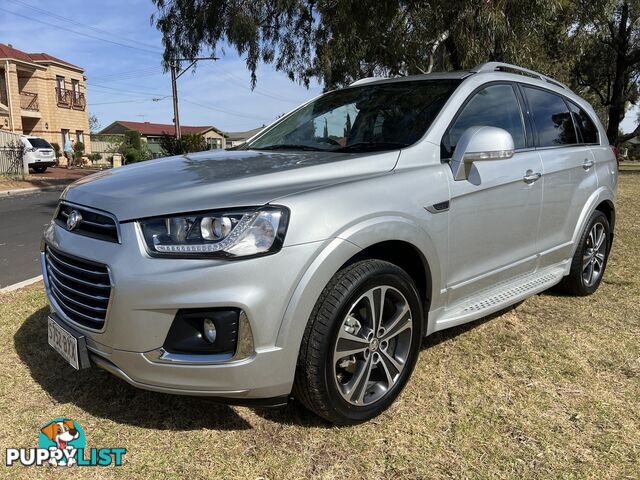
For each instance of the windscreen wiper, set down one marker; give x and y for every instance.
(368, 146)
(291, 146)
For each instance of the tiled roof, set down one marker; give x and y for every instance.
(45, 58)
(7, 51)
(147, 128)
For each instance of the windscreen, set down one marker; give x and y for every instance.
(370, 117)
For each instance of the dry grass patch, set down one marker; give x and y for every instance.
(549, 389)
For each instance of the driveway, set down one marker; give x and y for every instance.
(22, 221)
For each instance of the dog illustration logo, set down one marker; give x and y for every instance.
(65, 435)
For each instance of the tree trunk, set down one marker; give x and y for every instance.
(454, 55)
(617, 107)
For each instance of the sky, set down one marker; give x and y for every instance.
(125, 80)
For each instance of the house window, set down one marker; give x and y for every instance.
(60, 82)
(75, 88)
(214, 143)
(65, 137)
(79, 136)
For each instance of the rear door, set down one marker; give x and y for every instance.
(494, 214)
(568, 167)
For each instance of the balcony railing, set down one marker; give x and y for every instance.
(70, 99)
(29, 101)
(63, 97)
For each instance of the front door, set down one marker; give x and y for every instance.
(494, 214)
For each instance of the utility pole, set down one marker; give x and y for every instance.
(174, 92)
(176, 73)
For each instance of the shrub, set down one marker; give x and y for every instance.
(131, 155)
(56, 148)
(187, 144)
(95, 157)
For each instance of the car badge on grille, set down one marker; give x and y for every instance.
(73, 220)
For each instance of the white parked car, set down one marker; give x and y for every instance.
(38, 153)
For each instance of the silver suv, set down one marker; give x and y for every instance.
(312, 260)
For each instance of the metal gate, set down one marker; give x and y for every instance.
(11, 160)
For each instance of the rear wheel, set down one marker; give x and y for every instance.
(361, 343)
(590, 260)
(39, 168)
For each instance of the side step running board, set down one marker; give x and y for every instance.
(498, 298)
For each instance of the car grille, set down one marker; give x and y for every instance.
(80, 288)
(93, 224)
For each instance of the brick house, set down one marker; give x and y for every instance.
(44, 96)
(152, 133)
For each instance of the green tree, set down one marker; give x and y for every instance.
(337, 41)
(607, 46)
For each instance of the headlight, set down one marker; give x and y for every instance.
(229, 233)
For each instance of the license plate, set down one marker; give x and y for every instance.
(70, 347)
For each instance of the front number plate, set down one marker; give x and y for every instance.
(64, 343)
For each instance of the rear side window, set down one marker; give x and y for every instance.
(493, 106)
(551, 117)
(585, 126)
(39, 143)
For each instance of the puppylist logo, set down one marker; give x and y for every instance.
(62, 443)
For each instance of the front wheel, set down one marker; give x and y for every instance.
(361, 343)
(590, 260)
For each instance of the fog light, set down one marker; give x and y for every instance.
(209, 330)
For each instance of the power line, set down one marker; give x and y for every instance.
(75, 22)
(264, 93)
(199, 104)
(128, 77)
(215, 109)
(79, 33)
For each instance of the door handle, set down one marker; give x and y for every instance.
(588, 164)
(531, 177)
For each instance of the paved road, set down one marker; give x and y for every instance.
(22, 221)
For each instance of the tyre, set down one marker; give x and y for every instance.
(590, 260)
(361, 343)
(39, 168)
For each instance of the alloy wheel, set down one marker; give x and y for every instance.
(594, 255)
(373, 345)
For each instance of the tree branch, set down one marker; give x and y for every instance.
(582, 82)
(629, 136)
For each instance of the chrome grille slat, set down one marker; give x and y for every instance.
(77, 280)
(75, 267)
(81, 289)
(98, 298)
(59, 294)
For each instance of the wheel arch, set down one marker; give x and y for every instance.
(391, 238)
(602, 200)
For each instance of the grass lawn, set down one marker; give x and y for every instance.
(549, 389)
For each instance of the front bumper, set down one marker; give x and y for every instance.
(147, 292)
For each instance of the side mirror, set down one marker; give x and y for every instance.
(479, 144)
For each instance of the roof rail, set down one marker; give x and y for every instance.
(362, 81)
(506, 67)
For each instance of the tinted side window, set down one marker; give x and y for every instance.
(551, 117)
(586, 128)
(494, 106)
